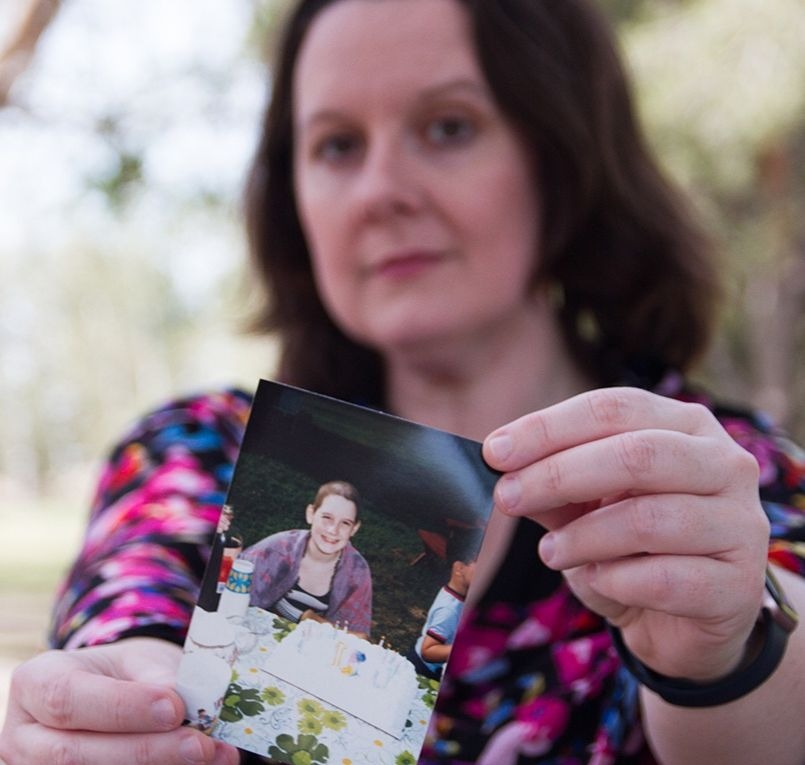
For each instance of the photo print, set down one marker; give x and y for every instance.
(336, 581)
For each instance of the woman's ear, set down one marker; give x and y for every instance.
(354, 529)
(310, 511)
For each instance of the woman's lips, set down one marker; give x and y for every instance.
(405, 265)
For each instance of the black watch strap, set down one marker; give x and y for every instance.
(776, 622)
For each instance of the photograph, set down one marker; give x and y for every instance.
(568, 233)
(336, 581)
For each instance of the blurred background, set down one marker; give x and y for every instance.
(125, 131)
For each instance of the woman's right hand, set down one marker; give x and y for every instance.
(105, 704)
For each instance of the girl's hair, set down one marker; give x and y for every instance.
(339, 488)
(633, 275)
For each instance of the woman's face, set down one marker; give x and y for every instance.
(414, 192)
(332, 523)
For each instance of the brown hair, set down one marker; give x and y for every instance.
(634, 273)
(339, 488)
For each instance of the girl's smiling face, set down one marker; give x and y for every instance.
(332, 524)
(415, 194)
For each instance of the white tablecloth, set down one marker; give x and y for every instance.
(263, 714)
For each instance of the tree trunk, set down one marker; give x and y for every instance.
(776, 289)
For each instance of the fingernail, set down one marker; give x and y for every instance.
(509, 491)
(192, 750)
(164, 713)
(501, 446)
(547, 548)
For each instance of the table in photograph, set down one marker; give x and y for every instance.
(271, 717)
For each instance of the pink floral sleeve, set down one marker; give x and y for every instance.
(152, 519)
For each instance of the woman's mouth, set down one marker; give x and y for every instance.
(408, 264)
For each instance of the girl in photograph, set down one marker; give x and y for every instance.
(316, 573)
(454, 217)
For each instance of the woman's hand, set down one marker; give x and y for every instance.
(654, 518)
(105, 704)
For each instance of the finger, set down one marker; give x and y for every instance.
(184, 746)
(147, 660)
(646, 461)
(57, 691)
(680, 524)
(589, 417)
(692, 587)
(226, 754)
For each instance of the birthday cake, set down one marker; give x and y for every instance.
(363, 679)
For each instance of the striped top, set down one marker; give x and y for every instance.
(297, 600)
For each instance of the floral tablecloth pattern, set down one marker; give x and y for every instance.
(268, 716)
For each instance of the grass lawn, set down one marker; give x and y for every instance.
(39, 542)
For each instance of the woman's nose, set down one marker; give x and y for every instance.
(389, 184)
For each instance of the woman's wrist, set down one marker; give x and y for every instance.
(762, 654)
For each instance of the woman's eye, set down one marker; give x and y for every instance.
(337, 147)
(449, 130)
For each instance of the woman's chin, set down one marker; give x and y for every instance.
(433, 320)
(410, 333)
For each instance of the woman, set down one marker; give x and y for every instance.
(455, 219)
(316, 573)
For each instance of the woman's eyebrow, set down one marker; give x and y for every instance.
(323, 115)
(460, 84)
(450, 87)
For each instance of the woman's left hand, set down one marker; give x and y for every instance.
(654, 518)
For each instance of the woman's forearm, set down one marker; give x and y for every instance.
(764, 726)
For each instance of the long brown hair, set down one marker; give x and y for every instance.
(633, 271)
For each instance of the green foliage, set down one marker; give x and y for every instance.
(430, 688)
(240, 702)
(333, 719)
(304, 750)
(310, 724)
(282, 629)
(309, 708)
(272, 696)
(124, 177)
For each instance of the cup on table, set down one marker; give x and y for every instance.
(235, 598)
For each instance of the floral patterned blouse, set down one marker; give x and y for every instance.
(537, 680)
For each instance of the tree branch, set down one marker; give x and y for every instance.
(18, 53)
